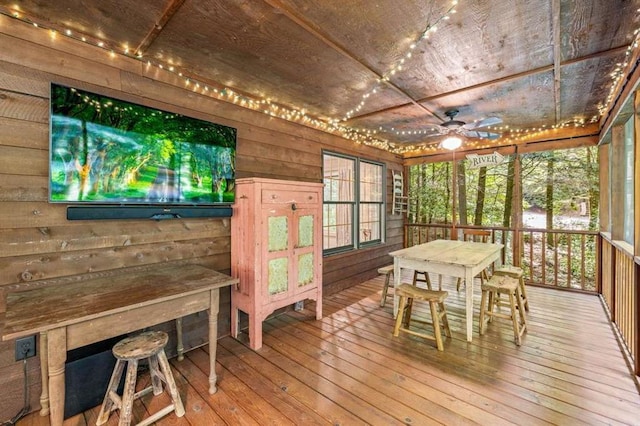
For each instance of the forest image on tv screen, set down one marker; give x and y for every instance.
(105, 150)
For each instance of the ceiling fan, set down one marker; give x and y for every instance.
(455, 127)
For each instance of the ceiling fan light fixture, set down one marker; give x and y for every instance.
(451, 143)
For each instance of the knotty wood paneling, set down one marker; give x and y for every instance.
(38, 243)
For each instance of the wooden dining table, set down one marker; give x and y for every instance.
(76, 311)
(459, 259)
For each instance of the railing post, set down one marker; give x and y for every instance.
(598, 263)
(612, 308)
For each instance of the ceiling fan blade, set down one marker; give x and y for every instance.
(436, 130)
(489, 121)
(481, 135)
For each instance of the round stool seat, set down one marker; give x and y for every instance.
(141, 346)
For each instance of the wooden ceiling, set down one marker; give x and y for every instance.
(532, 63)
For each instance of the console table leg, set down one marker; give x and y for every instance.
(180, 346)
(57, 355)
(44, 372)
(214, 307)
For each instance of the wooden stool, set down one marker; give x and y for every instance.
(148, 345)
(496, 285)
(517, 273)
(407, 294)
(388, 272)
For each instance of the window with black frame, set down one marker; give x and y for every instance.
(354, 204)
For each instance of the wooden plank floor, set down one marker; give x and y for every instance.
(348, 370)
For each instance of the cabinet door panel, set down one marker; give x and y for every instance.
(305, 230)
(278, 275)
(306, 273)
(278, 233)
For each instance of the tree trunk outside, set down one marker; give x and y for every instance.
(482, 186)
(594, 193)
(508, 201)
(462, 193)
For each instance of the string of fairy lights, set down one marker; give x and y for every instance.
(399, 65)
(333, 125)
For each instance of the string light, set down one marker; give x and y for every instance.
(398, 66)
(332, 125)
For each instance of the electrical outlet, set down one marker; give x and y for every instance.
(25, 347)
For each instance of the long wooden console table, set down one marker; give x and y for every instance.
(78, 312)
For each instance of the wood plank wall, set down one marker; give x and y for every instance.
(36, 240)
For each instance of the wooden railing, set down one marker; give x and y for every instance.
(620, 294)
(556, 258)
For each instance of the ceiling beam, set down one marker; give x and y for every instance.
(167, 14)
(537, 146)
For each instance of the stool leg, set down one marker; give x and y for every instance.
(483, 301)
(407, 315)
(385, 289)
(521, 308)
(514, 317)
(171, 384)
(107, 403)
(445, 321)
(523, 291)
(154, 372)
(436, 325)
(129, 391)
(427, 279)
(399, 317)
(494, 300)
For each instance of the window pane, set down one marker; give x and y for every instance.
(337, 225)
(370, 224)
(339, 178)
(370, 182)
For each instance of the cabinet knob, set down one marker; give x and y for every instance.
(293, 206)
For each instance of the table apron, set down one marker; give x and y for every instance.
(101, 328)
(433, 267)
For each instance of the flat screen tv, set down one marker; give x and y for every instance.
(111, 152)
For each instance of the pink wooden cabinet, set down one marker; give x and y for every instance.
(276, 249)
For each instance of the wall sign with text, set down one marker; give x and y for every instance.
(477, 161)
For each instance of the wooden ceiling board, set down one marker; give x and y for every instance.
(517, 102)
(254, 47)
(589, 27)
(123, 22)
(482, 42)
(376, 33)
(585, 85)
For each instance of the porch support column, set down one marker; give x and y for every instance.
(516, 209)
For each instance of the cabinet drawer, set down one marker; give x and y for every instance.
(272, 196)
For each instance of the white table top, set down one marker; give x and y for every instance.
(452, 252)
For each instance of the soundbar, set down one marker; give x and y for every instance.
(145, 212)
